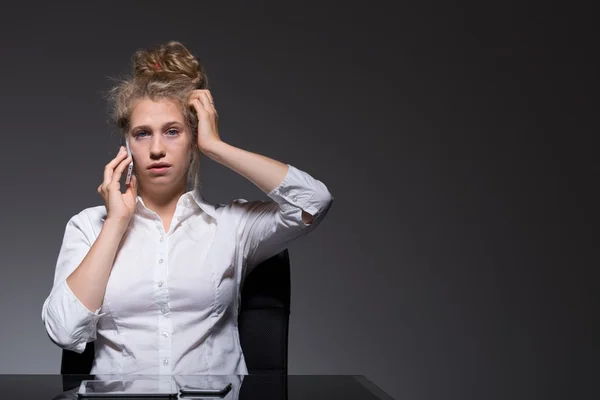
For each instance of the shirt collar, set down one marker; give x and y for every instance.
(198, 197)
(186, 199)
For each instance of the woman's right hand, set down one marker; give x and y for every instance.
(119, 206)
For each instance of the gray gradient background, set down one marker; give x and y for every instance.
(454, 139)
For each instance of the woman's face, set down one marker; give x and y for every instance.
(159, 135)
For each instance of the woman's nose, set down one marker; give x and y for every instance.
(157, 148)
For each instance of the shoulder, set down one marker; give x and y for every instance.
(89, 220)
(94, 214)
(241, 206)
(239, 209)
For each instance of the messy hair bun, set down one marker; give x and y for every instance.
(167, 71)
(168, 60)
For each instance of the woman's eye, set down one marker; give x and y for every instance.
(171, 132)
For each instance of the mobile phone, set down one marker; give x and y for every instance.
(130, 168)
(188, 391)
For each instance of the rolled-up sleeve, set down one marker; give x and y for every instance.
(268, 227)
(69, 323)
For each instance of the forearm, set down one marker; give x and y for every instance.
(266, 173)
(88, 281)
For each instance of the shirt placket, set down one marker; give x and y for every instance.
(161, 272)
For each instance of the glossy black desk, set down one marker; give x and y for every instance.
(245, 387)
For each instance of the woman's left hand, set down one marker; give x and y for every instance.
(208, 133)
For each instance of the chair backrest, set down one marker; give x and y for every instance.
(264, 316)
(263, 322)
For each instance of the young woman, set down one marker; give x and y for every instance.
(154, 275)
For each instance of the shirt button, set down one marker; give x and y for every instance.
(160, 284)
(160, 261)
(295, 198)
(166, 362)
(163, 310)
(165, 334)
(162, 238)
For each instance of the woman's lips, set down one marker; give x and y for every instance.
(158, 170)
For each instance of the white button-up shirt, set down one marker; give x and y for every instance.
(172, 299)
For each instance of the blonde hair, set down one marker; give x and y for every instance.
(168, 71)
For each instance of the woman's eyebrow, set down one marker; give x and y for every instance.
(165, 125)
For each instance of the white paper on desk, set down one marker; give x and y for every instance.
(129, 387)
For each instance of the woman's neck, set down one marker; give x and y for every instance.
(162, 201)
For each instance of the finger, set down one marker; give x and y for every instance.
(197, 104)
(206, 106)
(210, 97)
(208, 102)
(197, 100)
(204, 100)
(132, 187)
(212, 103)
(110, 167)
(196, 94)
(116, 178)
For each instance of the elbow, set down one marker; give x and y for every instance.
(59, 336)
(328, 200)
(319, 209)
(325, 203)
(69, 324)
(324, 197)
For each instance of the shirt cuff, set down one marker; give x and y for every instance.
(81, 307)
(301, 190)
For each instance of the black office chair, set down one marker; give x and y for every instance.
(263, 322)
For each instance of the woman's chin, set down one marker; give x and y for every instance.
(159, 181)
